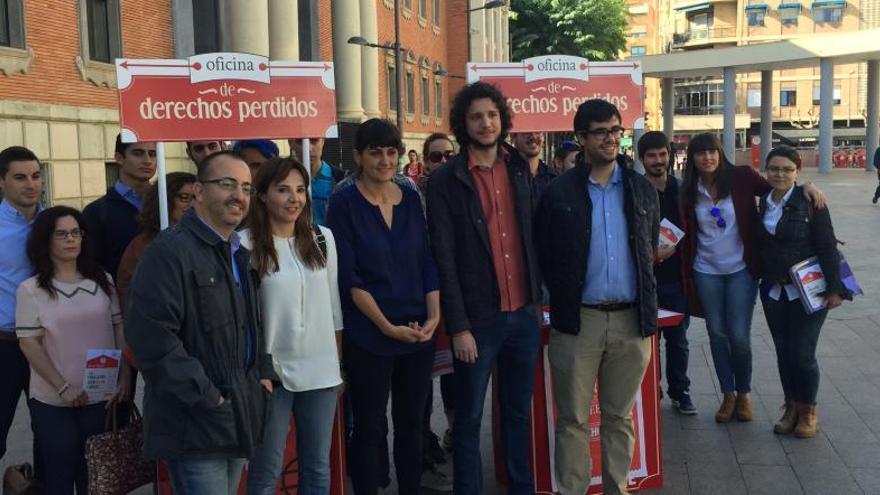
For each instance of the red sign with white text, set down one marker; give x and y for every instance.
(544, 92)
(225, 96)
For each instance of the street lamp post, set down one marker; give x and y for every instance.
(491, 4)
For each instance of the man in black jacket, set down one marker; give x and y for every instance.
(193, 326)
(596, 232)
(480, 218)
(655, 153)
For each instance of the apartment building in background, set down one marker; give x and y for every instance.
(706, 24)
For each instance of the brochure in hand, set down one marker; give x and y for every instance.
(670, 234)
(810, 282)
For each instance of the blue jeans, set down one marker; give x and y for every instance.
(671, 296)
(795, 336)
(313, 411)
(60, 434)
(729, 301)
(512, 341)
(205, 476)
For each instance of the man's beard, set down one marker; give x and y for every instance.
(483, 146)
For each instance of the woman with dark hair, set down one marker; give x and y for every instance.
(414, 169)
(180, 195)
(436, 151)
(390, 302)
(67, 308)
(302, 317)
(791, 231)
(721, 264)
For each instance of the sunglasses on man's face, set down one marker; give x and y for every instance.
(440, 156)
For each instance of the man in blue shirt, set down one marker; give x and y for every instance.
(324, 176)
(111, 220)
(596, 232)
(21, 184)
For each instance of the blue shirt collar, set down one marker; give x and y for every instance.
(234, 239)
(128, 194)
(616, 177)
(8, 212)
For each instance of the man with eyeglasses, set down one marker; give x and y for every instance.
(199, 150)
(531, 144)
(21, 184)
(603, 303)
(194, 331)
(655, 154)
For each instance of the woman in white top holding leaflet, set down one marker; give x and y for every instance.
(301, 318)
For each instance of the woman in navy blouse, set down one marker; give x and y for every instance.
(391, 307)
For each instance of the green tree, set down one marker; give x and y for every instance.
(594, 29)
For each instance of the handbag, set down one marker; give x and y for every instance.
(19, 480)
(115, 458)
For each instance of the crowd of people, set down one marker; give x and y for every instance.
(277, 289)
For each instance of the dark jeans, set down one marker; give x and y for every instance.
(15, 372)
(511, 342)
(671, 296)
(795, 335)
(371, 378)
(61, 433)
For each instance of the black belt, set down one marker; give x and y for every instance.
(610, 307)
(8, 336)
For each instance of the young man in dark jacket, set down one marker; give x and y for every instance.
(596, 232)
(480, 218)
(193, 326)
(111, 220)
(655, 153)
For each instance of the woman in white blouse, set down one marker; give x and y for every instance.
(301, 319)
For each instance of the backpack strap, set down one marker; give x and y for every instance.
(321, 240)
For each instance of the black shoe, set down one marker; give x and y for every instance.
(684, 404)
(875, 199)
(434, 453)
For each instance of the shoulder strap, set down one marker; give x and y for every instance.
(320, 239)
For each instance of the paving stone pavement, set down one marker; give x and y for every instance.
(702, 457)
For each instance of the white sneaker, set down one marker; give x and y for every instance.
(436, 480)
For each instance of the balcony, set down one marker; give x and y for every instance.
(700, 37)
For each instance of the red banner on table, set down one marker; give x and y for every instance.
(646, 469)
(544, 92)
(225, 96)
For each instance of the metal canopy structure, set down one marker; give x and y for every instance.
(824, 50)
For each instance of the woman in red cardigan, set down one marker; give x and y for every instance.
(720, 262)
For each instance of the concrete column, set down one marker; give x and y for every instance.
(345, 18)
(477, 23)
(505, 35)
(766, 115)
(668, 91)
(499, 35)
(249, 26)
(638, 165)
(370, 60)
(283, 30)
(826, 114)
(489, 35)
(729, 132)
(873, 111)
(182, 25)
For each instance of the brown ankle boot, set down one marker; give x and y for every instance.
(788, 421)
(743, 409)
(725, 412)
(807, 423)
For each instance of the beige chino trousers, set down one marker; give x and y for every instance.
(610, 347)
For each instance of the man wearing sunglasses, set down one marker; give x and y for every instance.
(193, 328)
(603, 304)
(530, 144)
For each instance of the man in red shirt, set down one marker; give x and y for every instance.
(480, 218)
